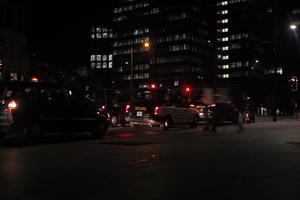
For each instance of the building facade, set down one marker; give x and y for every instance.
(101, 57)
(14, 51)
(239, 45)
(179, 51)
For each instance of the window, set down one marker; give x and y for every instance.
(224, 21)
(98, 57)
(92, 57)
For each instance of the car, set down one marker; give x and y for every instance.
(221, 112)
(34, 108)
(201, 108)
(113, 102)
(160, 108)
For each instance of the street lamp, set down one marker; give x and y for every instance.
(146, 45)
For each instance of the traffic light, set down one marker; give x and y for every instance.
(187, 89)
(294, 83)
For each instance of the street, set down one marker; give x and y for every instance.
(260, 161)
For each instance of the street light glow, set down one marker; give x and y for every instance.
(293, 26)
(146, 44)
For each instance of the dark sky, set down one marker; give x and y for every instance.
(59, 32)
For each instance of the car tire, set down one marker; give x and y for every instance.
(221, 120)
(34, 132)
(100, 129)
(195, 122)
(166, 123)
(114, 121)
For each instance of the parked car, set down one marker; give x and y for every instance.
(221, 112)
(161, 108)
(34, 108)
(113, 102)
(201, 108)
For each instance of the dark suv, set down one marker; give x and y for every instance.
(34, 108)
(113, 102)
(221, 112)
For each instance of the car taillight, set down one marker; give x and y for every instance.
(156, 111)
(127, 108)
(212, 105)
(192, 106)
(11, 106)
(103, 107)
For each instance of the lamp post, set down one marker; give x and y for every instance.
(146, 45)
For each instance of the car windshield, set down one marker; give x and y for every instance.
(15, 91)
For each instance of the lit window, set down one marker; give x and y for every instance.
(224, 39)
(225, 48)
(104, 58)
(225, 57)
(225, 76)
(224, 21)
(104, 65)
(92, 57)
(98, 65)
(224, 12)
(176, 83)
(110, 65)
(93, 65)
(110, 57)
(98, 57)
(224, 30)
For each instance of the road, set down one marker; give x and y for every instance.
(260, 162)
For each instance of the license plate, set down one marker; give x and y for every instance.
(139, 113)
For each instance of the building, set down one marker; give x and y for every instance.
(179, 51)
(14, 52)
(239, 45)
(101, 57)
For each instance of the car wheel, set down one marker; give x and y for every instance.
(166, 124)
(114, 121)
(195, 122)
(221, 120)
(100, 129)
(34, 132)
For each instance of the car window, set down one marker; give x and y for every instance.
(74, 95)
(51, 93)
(17, 91)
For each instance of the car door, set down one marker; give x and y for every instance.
(52, 106)
(180, 110)
(82, 112)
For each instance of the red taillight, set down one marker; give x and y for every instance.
(156, 111)
(11, 106)
(127, 108)
(192, 106)
(103, 107)
(212, 105)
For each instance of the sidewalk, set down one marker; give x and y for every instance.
(259, 118)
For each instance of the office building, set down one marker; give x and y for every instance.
(179, 51)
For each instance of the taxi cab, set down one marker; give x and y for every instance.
(160, 108)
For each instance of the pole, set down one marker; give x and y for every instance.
(131, 70)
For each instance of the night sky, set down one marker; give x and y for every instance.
(59, 32)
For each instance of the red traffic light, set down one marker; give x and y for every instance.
(187, 89)
(153, 86)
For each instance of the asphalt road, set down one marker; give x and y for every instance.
(260, 162)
